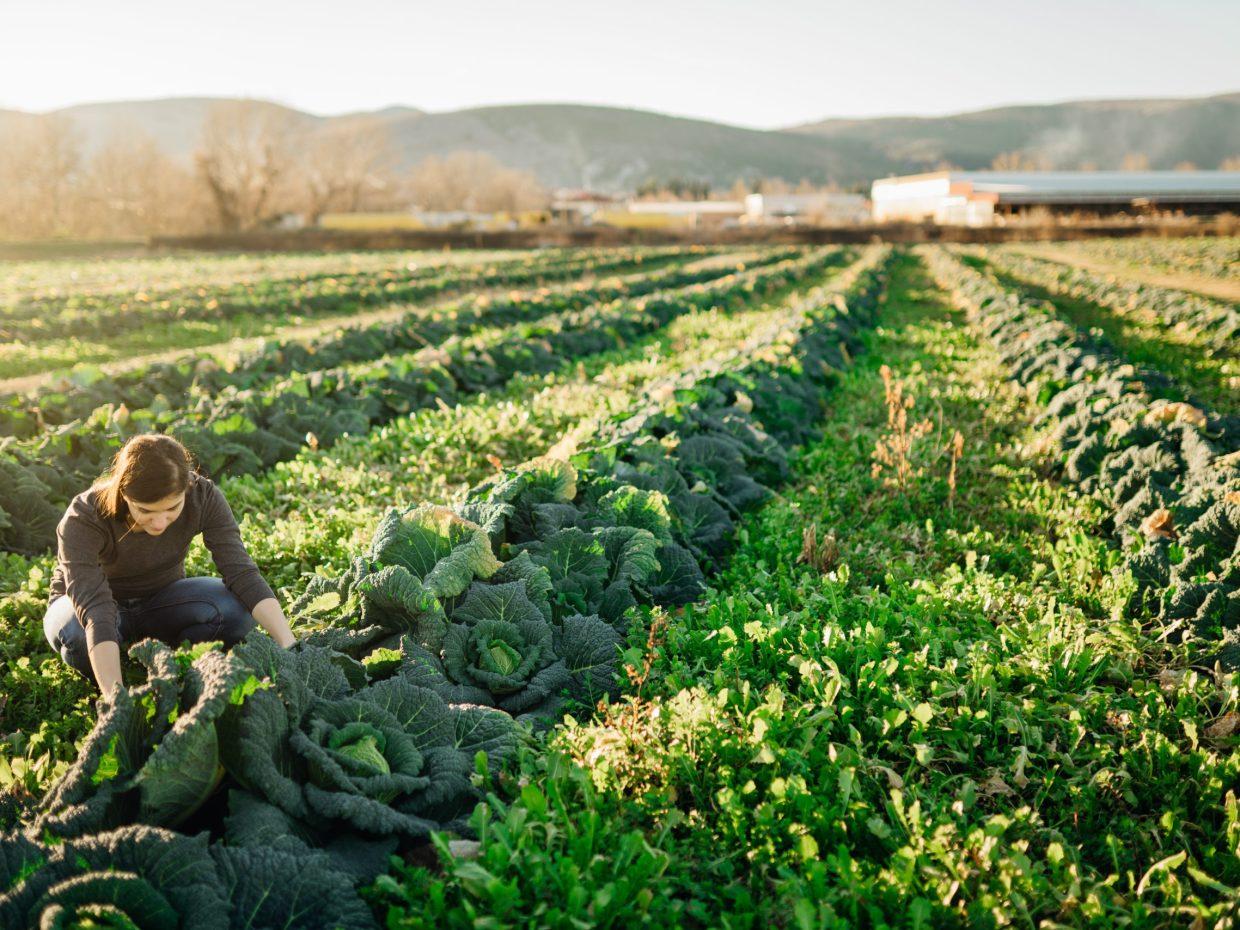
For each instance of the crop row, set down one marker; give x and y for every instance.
(338, 761)
(1213, 325)
(1215, 257)
(105, 316)
(170, 384)
(40, 279)
(32, 360)
(310, 513)
(1169, 471)
(242, 432)
(1211, 375)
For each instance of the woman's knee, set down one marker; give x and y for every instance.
(59, 614)
(235, 621)
(67, 637)
(197, 610)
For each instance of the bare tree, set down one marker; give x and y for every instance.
(245, 155)
(738, 191)
(39, 160)
(1020, 161)
(341, 164)
(473, 181)
(130, 187)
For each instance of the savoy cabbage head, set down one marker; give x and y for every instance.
(525, 503)
(152, 879)
(383, 760)
(603, 571)
(502, 651)
(154, 754)
(417, 560)
(136, 876)
(443, 550)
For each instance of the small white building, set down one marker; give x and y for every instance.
(979, 198)
(826, 208)
(690, 213)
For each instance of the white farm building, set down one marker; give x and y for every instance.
(980, 198)
(825, 207)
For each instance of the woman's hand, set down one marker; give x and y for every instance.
(270, 616)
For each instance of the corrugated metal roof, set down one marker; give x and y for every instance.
(1127, 183)
(1031, 187)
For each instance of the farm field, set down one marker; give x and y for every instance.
(797, 587)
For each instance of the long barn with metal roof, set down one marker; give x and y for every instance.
(979, 198)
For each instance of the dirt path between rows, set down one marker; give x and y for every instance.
(1208, 287)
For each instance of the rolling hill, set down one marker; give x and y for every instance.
(614, 149)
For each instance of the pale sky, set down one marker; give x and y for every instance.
(761, 64)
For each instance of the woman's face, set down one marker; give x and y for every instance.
(154, 518)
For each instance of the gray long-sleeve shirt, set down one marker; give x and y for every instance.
(99, 562)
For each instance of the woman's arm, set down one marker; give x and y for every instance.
(270, 617)
(105, 662)
(80, 542)
(223, 538)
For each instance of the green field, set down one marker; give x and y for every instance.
(792, 587)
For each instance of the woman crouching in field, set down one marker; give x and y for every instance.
(120, 572)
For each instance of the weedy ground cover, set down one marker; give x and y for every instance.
(954, 726)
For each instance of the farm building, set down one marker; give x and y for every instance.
(579, 207)
(980, 198)
(674, 214)
(827, 207)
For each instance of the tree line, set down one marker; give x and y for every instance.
(254, 162)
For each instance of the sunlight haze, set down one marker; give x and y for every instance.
(763, 65)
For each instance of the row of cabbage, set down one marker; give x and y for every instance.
(1169, 471)
(170, 384)
(236, 432)
(106, 315)
(1213, 324)
(453, 625)
(166, 272)
(1214, 256)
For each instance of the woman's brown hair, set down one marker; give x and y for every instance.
(147, 468)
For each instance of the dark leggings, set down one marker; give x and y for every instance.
(191, 610)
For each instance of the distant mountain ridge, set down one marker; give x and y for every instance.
(609, 148)
(1202, 130)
